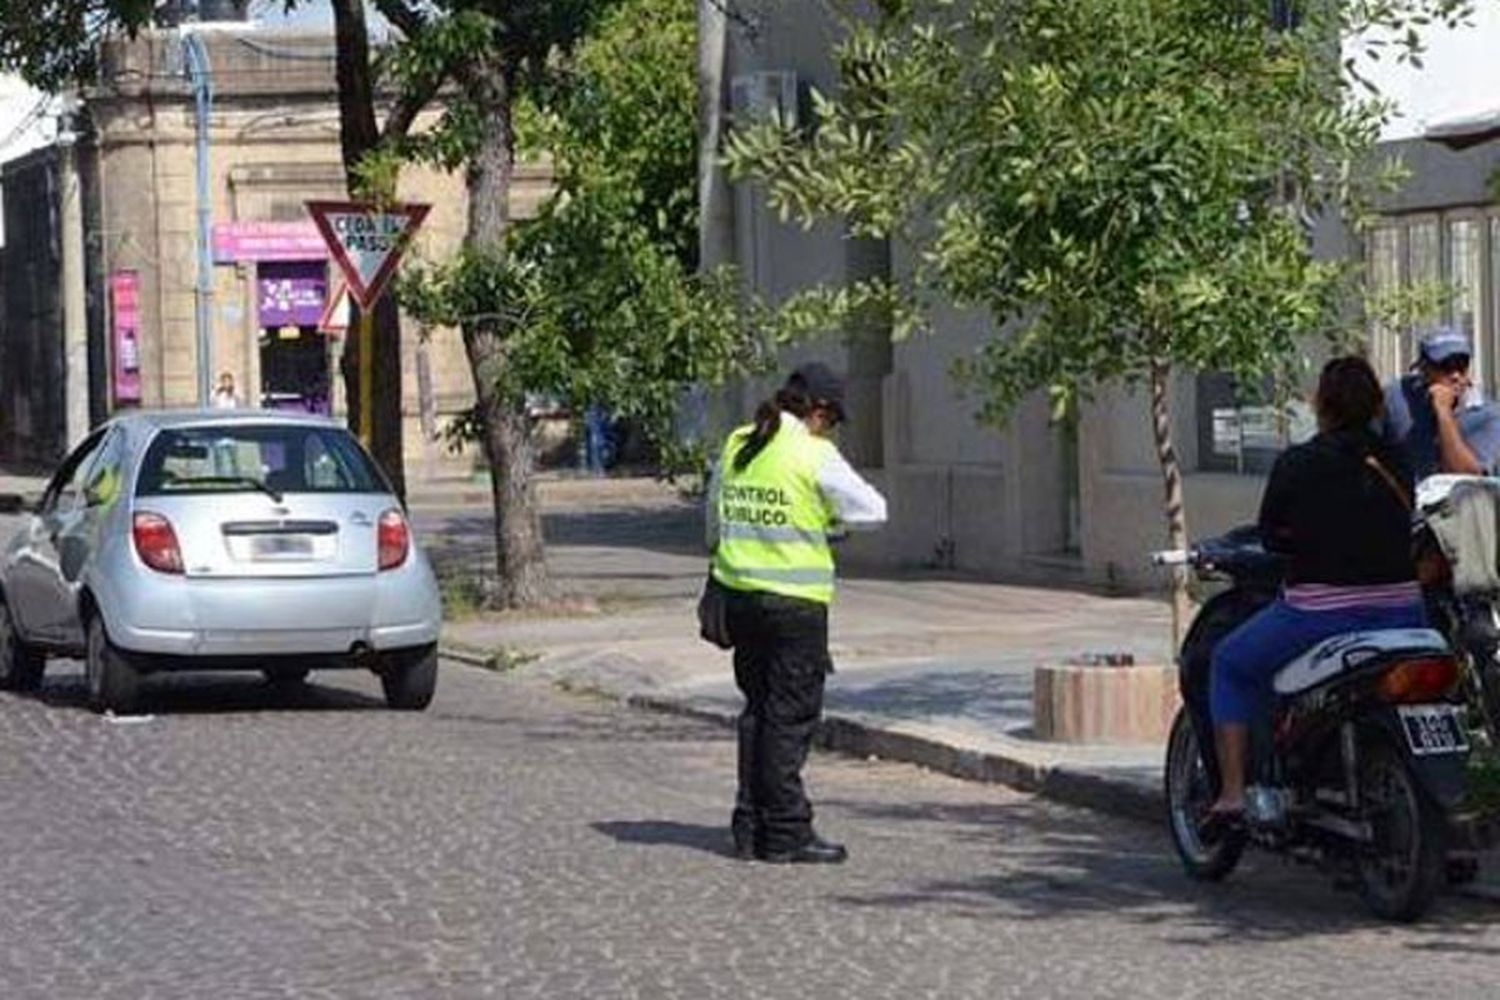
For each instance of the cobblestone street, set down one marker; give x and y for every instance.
(517, 841)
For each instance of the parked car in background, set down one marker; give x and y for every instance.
(219, 539)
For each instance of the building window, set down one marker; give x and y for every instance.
(1449, 261)
(1464, 268)
(1239, 433)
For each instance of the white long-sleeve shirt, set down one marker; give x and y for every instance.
(856, 504)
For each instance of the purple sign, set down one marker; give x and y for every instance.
(261, 241)
(291, 294)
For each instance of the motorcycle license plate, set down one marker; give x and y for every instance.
(1432, 729)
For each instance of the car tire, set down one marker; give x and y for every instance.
(21, 667)
(287, 677)
(410, 678)
(113, 683)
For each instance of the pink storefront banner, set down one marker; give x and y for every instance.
(125, 327)
(260, 241)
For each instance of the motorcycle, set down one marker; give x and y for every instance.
(1450, 533)
(1362, 766)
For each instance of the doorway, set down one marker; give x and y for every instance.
(295, 367)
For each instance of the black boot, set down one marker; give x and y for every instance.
(816, 851)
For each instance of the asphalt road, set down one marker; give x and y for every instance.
(517, 841)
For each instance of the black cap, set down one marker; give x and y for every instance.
(820, 384)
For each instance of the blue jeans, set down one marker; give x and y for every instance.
(1248, 658)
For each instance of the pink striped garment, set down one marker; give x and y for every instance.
(1336, 597)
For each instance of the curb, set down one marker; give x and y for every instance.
(855, 737)
(859, 738)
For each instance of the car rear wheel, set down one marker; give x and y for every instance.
(287, 677)
(21, 667)
(410, 678)
(113, 682)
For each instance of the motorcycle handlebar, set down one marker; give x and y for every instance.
(1173, 557)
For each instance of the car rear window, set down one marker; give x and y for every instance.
(245, 458)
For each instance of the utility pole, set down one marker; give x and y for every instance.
(200, 74)
(74, 293)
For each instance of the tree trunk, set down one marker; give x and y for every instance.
(386, 439)
(359, 134)
(1171, 474)
(505, 425)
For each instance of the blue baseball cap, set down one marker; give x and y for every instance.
(1443, 343)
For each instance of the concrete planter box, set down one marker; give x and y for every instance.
(1104, 704)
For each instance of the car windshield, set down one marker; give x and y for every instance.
(247, 458)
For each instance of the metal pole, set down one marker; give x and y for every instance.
(200, 72)
(367, 375)
(75, 293)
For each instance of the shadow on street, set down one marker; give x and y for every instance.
(195, 694)
(667, 833)
(1056, 865)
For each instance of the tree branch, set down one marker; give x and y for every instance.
(408, 106)
(405, 18)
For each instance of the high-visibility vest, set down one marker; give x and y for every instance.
(774, 519)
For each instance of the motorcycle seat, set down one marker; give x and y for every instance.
(1350, 650)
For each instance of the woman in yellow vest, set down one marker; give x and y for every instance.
(778, 492)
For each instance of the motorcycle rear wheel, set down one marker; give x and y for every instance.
(1401, 872)
(1189, 794)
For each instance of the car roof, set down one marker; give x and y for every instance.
(163, 419)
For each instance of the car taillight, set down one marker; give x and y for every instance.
(156, 543)
(395, 539)
(1430, 678)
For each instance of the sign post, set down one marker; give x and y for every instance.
(366, 241)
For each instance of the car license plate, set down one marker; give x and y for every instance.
(272, 547)
(1432, 729)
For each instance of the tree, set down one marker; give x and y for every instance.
(1127, 188)
(54, 44)
(597, 299)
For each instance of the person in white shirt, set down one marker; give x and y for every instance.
(224, 397)
(780, 489)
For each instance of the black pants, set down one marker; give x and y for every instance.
(780, 661)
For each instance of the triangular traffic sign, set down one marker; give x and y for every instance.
(366, 241)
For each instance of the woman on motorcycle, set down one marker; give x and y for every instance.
(1338, 508)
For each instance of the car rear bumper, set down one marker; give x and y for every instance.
(314, 616)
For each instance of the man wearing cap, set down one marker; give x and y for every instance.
(780, 489)
(1434, 415)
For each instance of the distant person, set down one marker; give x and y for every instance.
(224, 395)
(780, 489)
(1436, 417)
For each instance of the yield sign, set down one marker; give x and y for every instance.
(366, 241)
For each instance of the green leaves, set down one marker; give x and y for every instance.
(597, 298)
(53, 44)
(1115, 183)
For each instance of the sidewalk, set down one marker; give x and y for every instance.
(938, 673)
(929, 670)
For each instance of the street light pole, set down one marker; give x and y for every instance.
(200, 74)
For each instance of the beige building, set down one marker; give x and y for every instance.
(1079, 501)
(273, 145)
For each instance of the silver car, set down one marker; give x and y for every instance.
(219, 539)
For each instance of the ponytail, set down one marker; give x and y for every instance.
(768, 423)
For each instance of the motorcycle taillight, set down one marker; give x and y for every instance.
(1429, 678)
